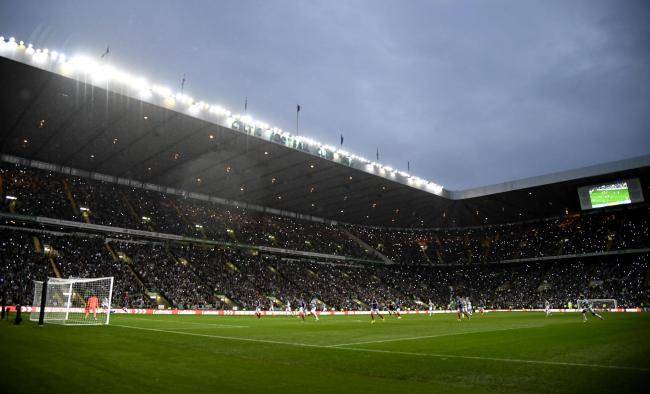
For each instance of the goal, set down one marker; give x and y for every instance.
(603, 303)
(74, 301)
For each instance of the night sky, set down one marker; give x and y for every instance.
(470, 92)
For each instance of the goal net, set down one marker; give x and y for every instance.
(74, 301)
(603, 303)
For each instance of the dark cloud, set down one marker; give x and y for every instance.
(472, 93)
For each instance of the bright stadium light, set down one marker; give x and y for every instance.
(162, 91)
(194, 109)
(102, 74)
(219, 111)
(183, 98)
(145, 94)
(12, 43)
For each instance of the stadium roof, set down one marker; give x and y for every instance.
(105, 121)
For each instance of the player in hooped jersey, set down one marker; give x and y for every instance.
(467, 306)
(430, 307)
(287, 309)
(587, 307)
(314, 308)
(374, 311)
(547, 308)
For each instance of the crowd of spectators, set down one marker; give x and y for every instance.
(576, 234)
(44, 193)
(21, 265)
(201, 276)
(496, 264)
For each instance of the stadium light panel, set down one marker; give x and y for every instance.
(12, 43)
(100, 74)
(40, 56)
(161, 91)
(145, 94)
(194, 109)
(169, 102)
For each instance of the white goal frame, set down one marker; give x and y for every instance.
(67, 301)
(597, 303)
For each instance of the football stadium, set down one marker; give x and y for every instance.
(155, 242)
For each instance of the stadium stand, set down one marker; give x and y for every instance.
(507, 266)
(190, 207)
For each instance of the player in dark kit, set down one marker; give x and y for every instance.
(374, 311)
(398, 308)
(258, 309)
(301, 309)
(460, 310)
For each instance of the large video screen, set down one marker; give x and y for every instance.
(608, 194)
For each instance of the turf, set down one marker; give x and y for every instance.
(497, 352)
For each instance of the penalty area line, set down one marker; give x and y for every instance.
(215, 325)
(433, 355)
(224, 337)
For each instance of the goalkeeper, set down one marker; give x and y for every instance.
(91, 305)
(587, 307)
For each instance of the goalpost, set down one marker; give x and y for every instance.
(603, 303)
(74, 301)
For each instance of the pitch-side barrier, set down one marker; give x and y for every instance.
(219, 312)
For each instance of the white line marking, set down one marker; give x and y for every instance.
(220, 336)
(215, 325)
(510, 360)
(434, 336)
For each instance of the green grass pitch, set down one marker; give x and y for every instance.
(609, 197)
(496, 352)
